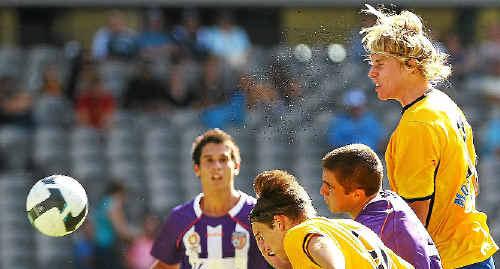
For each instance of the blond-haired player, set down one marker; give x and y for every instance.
(430, 156)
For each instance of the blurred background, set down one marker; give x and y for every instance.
(116, 92)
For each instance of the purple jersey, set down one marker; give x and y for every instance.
(389, 216)
(197, 241)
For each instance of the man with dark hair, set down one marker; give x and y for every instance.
(352, 181)
(212, 230)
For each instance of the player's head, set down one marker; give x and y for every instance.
(351, 174)
(216, 158)
(399, 51)
(281, 204)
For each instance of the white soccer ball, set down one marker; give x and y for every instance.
(57, 205)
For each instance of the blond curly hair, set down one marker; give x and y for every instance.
(401, 36)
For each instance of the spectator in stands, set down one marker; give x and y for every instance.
(261, 96)
(357, 125)
(215, 87)
(186, 37)
(153, 42)
(492, 135)
(52, 107)
(227, 40)
(460, 57)
(83, 246)
(94, 105)
(144, 92)
(288, 88)
(489, 48)
(116, 40)
(138, 254)
(111, 227)
(15, 104)
(181, 91)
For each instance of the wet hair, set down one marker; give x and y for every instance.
(279, 193)
(402, 36)
(356, 166)
(215, 136)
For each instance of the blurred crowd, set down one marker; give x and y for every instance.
(217, 72)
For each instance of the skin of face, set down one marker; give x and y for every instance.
(270, 239)
(335, 195)
(389, 77)
(216, 169)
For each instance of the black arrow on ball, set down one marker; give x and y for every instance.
(70, 222)
(55, 200)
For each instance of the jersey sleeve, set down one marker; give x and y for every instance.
(165, 247)
(295, 245)
(412, 161)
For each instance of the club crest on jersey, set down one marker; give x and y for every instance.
(239, 240)
(193, 240)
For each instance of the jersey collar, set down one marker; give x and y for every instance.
(232, 212)
(416, 100)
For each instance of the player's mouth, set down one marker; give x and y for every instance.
(216, 177)
(271, 253)
(377, 86)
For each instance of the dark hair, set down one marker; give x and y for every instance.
(278, 192)
(215, 136)
(355, 166)
(114, 187)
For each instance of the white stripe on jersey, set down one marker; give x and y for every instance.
(214, 242)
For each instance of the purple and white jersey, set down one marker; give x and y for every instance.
(389, 216)
(197, 241)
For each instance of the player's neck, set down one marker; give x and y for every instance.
(219, 204)
(356, 210)
(418, 88)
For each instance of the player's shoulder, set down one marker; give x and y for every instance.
(434, 106)
(184, 210)
(248, 199)
(243, 207)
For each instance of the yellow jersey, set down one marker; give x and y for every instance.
(431, 155)
(361, 247)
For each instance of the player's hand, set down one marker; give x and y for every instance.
(271, 258)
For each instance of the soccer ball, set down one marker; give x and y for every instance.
(57, 205)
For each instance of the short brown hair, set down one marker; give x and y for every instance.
(355, 166)
(215, 136)
(278, 192)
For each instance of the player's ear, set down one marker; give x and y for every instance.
(359, 194)
(279, 222)
(196, 169)
(236, 169)
(411, 65)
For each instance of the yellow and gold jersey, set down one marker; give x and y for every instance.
(431, 156)
(361, 247)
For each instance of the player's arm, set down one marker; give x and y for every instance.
(325, 252)
(117, 217)
(161, 265)
(421, 209)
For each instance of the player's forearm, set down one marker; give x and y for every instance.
(421, 209)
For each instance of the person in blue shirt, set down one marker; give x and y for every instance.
(111, 228)
(357, 125)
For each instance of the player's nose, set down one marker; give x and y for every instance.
(323, 190)
(372, 73)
